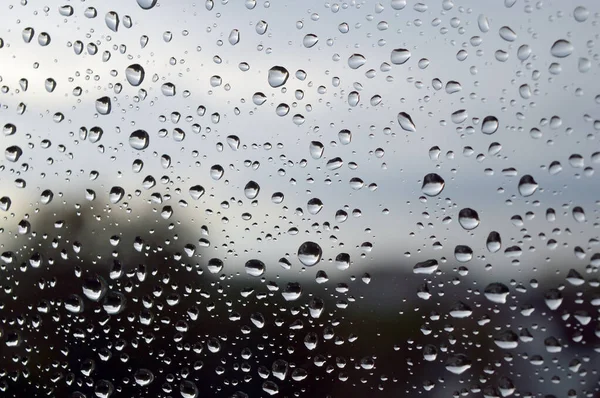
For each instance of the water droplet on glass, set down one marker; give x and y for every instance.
(234, 37)
(139, 140)
(251, 190)
(496, 292)
(494, 242)
(94, 288)
(168, 89)
(112, 20)
(433, 184)
(458, 363)
(345, 137)
(463, 253)
(28, 34)
(399, 56)
(561, 48)
(135, 74)
(103, 105)
(216, 172)
(426, 267)
(147, 4)
(507, 34)
(356, 61)
(310, 40)
(406, 122)
(255, 267)
(278, 76)
(314, 206)
(468, 219)
(527, 185)
(309, 253)
(316, 149)
(143, 377)
(13, 153)
(581, 14)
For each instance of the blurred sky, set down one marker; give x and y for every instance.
(489, 87)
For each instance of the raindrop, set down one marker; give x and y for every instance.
(527, 185)
(94, 288)
(494, 242)
(251, 190)
(468, 219)
(463, 253)
(103, 105)
(399, 56)
(234, 37)
(147, 4)
(561, 48)
(507, 34)
(316, 149)
(116, 194)
(309, 253)
(458, 364)
(112, 20)
(356, 61)
(143, 377)
(278, 76)
(255, 267)
(581, 14)
(139, 140)
(310, 40)
(406, 122)
(496, 292)
(433, 184)
(427, 267)
(13, 153)
(314, 206)
(345, 137)
(135, 74)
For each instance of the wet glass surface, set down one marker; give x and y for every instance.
(299, 198)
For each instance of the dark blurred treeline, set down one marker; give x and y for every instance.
(202, 328)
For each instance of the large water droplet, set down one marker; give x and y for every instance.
(494, 242)
(112, 20)
(251, 190)
(399, 56)
(458, 363)
(406, 122)
(527, 185)
(13, 153)
(314, 206)
(310, 40)
(496, 292)
(139, 140)
(277, 77)
(309, 253)
(147, 4)
(426, 267)
(561, 48)
(489, 125)
(468, 219)
(356, 61)
(143, 377)
(316, 149)
(94, 287)
(103, 105)
(135, 74)
(581, 14)
(255, 267)
(433, 184)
